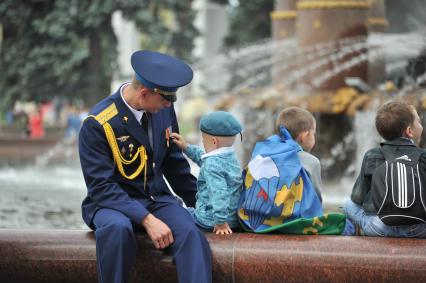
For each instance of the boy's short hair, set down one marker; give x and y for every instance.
(135, 84)
(226, 141)
(393, 118)
(296, 120)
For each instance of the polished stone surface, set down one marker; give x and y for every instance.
(223, 250)
(70, 256)
(47, 256)
(275, 258)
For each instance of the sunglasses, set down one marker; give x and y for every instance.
(170, 97)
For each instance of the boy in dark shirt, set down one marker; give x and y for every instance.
(399, 124)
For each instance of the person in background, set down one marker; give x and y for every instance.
(35, 124)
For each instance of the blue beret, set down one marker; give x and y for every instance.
(160, 72)
(220, 123)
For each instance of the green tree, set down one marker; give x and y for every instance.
(250, 21)
(406, 16)
(68, 47)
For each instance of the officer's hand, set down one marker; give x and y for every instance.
(158, 231)
(178, 140)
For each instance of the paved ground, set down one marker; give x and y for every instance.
(41, 197)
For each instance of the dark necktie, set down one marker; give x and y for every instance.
(144, 122)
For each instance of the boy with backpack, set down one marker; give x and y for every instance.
(282, 183)
(388, 198)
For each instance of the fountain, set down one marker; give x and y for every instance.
(304, 64)
(45, 192)
(255, 82)
(309, 62)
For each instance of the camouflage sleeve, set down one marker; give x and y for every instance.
(194, 153)
(219, 192)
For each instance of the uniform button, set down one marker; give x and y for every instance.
(153, 165)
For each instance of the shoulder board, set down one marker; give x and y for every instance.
(106, 114)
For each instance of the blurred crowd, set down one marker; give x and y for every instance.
(34, 117)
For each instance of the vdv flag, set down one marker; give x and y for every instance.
(277, 188)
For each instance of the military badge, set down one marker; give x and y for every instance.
(131, 146)
(123, 138)
(168, 132)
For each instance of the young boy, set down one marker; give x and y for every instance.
(219, 182)
(282, 183)
(399, 124)
(301, 124)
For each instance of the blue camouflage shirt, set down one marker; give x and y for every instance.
(219, 185)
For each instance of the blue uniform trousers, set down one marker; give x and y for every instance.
(116, 244)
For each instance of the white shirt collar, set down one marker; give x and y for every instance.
(137, 113)
(218, 151)
(411, 140)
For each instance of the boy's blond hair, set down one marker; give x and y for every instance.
(393, 118)
(296, 120)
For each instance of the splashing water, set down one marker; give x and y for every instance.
(252, 64)
(46, 195)
(43, 195)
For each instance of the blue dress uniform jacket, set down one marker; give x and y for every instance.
(113, 148)
(107, 188)
(123, 167)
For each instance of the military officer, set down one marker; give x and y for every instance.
(125, 151)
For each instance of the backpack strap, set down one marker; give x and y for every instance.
(412, 157)
(389, 156)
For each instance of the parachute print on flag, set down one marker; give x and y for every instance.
(277, 189)
(264, 174)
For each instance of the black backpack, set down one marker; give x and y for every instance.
(397, 190)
